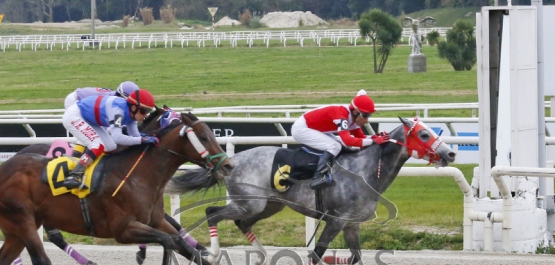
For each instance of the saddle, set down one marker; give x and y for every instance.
(292, 165)
(59, 168)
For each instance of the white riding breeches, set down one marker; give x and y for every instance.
(70, 100)
(314, 138)
(91, 136)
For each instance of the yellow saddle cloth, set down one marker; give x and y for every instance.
(58, 169)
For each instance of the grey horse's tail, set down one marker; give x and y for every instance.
(192, 180)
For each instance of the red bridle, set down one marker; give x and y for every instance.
(419, 149)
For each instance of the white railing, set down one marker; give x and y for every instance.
(182, 39)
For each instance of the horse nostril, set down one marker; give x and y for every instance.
(228, 166)
(452, 154)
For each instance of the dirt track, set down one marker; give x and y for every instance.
(125, 255)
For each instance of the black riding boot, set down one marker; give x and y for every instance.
(322, 177)
(74, 179)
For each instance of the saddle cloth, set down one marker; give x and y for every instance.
(57, 169)
(291, 165)
(59, 148)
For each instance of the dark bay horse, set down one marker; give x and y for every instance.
(134, 215)
(359, 180)
(158, 119)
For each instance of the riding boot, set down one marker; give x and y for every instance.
(75, 178)
(78, 150)
(322, 176)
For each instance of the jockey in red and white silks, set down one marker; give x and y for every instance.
(315, 128)
(87, 119)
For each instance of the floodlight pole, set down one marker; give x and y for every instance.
(93, 16)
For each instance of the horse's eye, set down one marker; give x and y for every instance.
(424, 135)
(203, 139)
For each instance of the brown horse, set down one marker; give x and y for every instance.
(134, 215)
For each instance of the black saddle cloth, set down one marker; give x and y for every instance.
(291, 165)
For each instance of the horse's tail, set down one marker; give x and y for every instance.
(192, 180)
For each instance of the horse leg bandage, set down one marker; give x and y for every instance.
(214, 241)
(336, 260)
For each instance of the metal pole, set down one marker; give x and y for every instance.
(212, 23)
(93, 16)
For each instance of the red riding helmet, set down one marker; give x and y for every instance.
(141, 98)
(362, 103)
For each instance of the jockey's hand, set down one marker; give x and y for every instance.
(381, 138)
(150, 140)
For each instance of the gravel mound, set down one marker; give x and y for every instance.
(291, 19)
(227, 21)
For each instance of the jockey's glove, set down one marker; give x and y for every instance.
(150, 140)
(381, 138)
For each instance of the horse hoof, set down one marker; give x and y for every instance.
(211, 259)
(91, 263)
(140, 257)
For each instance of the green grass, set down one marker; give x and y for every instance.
(446, 17)
(262, 76)
(231, 76)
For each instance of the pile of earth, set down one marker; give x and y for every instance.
(291, 19)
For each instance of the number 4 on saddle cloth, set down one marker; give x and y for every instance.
(59, 168)
(291, 165)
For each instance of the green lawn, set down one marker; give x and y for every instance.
(226, 76)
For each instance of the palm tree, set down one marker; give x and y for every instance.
(383, 30)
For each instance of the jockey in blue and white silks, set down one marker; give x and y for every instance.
(123, 90)
(88, 119)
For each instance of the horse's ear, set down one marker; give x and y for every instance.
(405, 121)
(166, 106)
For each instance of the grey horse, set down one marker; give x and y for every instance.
(359, 180)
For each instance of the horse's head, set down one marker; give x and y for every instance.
(201, 146)
(423, 143)
(150, 125)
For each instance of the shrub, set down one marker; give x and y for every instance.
(167, 14)
(255, 23)
(460, 47)
(433, 37)
(246, 17)
(146, 15)
(125, 21)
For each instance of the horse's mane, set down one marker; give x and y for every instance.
(139, 148)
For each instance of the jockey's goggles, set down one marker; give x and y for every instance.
(145, 110)
(365, 115)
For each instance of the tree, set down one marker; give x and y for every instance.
(48, 9)
(459, 48)
(382, 29)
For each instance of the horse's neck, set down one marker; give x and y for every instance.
(378, 165)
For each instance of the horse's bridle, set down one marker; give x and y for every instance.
(188, 131)
(417, 148)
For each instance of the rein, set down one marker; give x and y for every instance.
(199, 147)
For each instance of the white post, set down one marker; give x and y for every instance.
(174, 206)
(310, 226)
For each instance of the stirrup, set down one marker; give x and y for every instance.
(73, 183)
(324, 181)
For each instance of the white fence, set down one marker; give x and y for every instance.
(184, 39)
